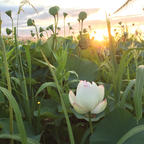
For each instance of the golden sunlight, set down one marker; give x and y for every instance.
(99, 34)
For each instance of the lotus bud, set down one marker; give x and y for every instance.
(70, 28)
(89, 98)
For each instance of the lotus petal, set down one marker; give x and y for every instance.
(87, 95)
(100, 107)
(101, 92)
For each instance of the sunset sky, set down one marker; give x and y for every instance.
(95, 9)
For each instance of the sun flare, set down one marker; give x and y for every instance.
(98, 34)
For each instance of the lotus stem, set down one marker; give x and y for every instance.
(36, 31)
(90, 123)
(0, 23)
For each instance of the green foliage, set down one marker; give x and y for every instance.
(48, 109)
(82, 67)
(17, 111)
(138, 92)
(134, 131)
(42, 72)
(113, 127)
(17, 138)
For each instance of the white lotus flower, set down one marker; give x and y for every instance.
(89, 98)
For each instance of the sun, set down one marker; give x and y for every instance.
(98, 35)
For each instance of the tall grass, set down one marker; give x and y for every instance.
(17, 112)
(138, 92)
(7, 76)
(60, 91)
(25, 99)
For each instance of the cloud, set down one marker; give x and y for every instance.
(43, 18)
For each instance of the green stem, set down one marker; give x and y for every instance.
(62, 100)
(36, 31)
(90, 124)
(12, 29)
(7, 75)
(0, 23)
(47, 34)
(23, 80)
(17, 24)
(38, 118)
(64, 27)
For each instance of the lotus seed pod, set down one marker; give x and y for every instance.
(30, 22)
(82, 16)
(54, 10)
(51, 28)
(47, 28)
(32, 34)
(8, 31)
(9, 13)
(41, 29)
(65, 14)
(59, 28)
(41, 35)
